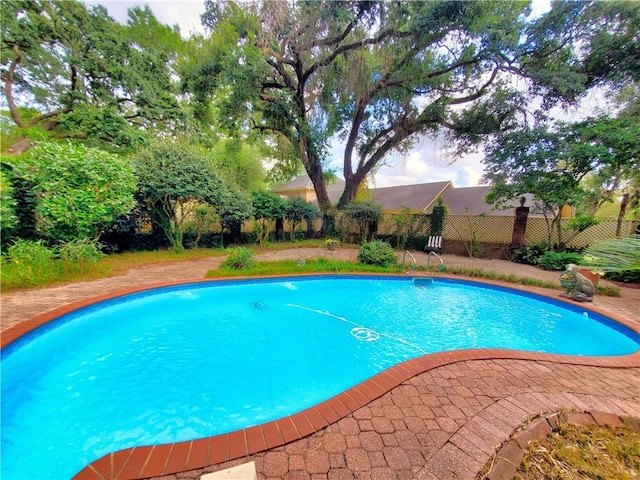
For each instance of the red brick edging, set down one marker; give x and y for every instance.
(145, 462)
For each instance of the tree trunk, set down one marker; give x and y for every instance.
(623, 209)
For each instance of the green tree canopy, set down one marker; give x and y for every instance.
(87, 75)
(378, 75)
(78, 190)
(298, 210)
(267, 206)
(552, 162)
(175, 178)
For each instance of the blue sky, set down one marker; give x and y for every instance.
(429, 160)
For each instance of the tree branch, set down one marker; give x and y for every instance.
(8, 87)
(352, 46)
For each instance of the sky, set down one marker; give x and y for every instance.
(428, 161)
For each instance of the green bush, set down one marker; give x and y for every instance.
(526, 254)
(28, 264)
(625, 276)
(80, 251)
(240, 258)
(558, 260)
(377, 253)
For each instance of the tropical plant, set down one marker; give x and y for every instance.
(613, 255)
(558, 260)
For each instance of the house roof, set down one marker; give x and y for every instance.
(418, 197)
(470, 201)
(303, 182)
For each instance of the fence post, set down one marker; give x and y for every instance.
(519, 224)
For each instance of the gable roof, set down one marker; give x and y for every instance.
(470, 201)
(419, 197)
(304, 183)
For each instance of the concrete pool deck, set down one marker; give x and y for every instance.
(440, 417)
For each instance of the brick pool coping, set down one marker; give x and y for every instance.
(158, 460)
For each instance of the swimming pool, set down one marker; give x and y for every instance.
(197, 360)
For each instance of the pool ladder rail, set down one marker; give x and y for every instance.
(415, 263)
(441, 267)
(404, 257)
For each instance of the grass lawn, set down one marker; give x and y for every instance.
(56, 272)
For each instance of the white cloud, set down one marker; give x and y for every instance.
(184, 13)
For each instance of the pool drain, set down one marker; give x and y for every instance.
(364, 334)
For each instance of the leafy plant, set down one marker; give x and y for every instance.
(402, 221)
(526, 254)
(331, 242)
(267, 206)
(558, 260)
(240, 258)
(8, 218)
(80, 251)
(366, 215)
(377, 253)
(79, 190)
(437, 217)
(29, 263)
(298, 210)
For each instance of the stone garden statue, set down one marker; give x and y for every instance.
(577, 286)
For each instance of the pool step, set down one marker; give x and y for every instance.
(246, 471)
(422, 282)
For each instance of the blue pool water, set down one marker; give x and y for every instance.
(187, 362)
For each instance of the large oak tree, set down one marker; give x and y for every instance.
(378, 75)
(75, 71)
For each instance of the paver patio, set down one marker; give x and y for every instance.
(443, 423)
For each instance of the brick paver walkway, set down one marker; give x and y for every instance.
(442, 424)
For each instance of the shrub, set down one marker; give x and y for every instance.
(528, 255)
(80, 251)
(366, 215)
(30, 263)
(558, 260)
(240, 258)
(625, 276)
(377, 253)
